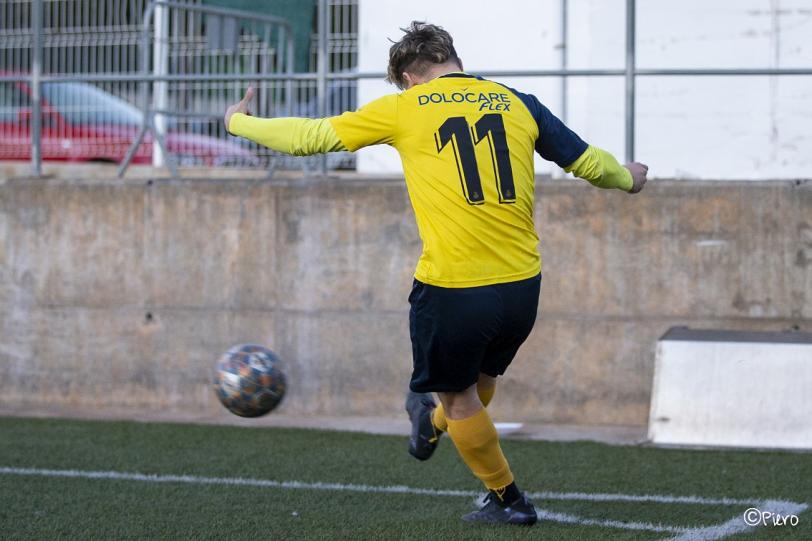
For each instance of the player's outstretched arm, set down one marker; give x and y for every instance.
(601, 169)
(291, 135)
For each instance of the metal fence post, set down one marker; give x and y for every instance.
(36, 89)
(630, 78)
(322, 66)
(290, 60)
(564, 51)
(143, 90)
(160, 51)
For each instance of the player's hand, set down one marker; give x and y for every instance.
(239, 107)
(639, 172)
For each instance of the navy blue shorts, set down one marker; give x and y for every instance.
(459, 332)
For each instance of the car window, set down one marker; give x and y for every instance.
(82, 104)
(12, 99)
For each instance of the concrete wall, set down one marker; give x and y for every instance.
(124, 293)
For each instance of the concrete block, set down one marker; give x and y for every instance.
(737, 389)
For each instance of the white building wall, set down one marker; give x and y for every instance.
(687, 127)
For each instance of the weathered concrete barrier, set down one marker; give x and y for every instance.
(123, 293)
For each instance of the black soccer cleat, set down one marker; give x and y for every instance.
(520, 512)
(424, 438)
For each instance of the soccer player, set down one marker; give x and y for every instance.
(467, 146)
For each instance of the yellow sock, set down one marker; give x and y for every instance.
(478, 444)
(438, 417)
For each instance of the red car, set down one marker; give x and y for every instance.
(83, 123)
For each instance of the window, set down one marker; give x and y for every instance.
(13, 99)
(83, 104)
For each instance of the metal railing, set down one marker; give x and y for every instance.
(314, 87)
(52, 37)
(134, 81)
(213, 40)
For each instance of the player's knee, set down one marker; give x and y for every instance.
(461, 405)
(463, 411)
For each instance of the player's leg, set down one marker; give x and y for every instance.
(485, 389)
(475, 437)
(519, 301)
(450, 331)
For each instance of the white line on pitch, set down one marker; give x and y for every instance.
(619, 524)
(393, 489)
(642, 498)
(737, 524)
(687, 533)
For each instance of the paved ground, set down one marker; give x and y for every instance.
(620, 435)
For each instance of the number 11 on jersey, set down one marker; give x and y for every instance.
(463, 138)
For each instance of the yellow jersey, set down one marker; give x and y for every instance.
(467, 146)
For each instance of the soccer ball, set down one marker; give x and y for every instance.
(248, 380)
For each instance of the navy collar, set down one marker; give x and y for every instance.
(458, 74)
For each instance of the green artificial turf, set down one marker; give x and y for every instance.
(42, 507)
